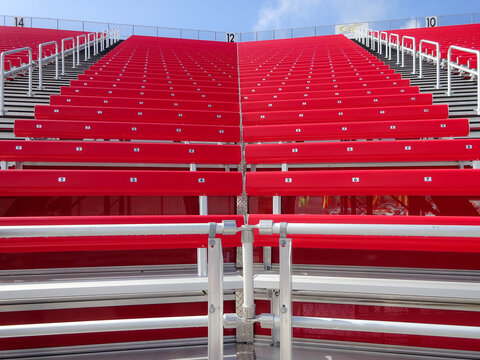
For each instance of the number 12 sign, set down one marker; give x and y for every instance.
(231, 37)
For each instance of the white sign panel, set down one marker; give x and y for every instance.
(231, 37)
(349, 29)
(431, 21)
(19, 21)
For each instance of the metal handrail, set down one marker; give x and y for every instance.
(406, 48)
(41, 59)
(466, 69)
(90, 42)
(422, 55)
(65, 51)
(376, 37)
(80, 46)
(13, 71)
(396, 45)
(384, 41)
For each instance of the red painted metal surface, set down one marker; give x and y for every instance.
(125, 131)
(365, 182)
(118, 152)
(399, 129)
(118, 182)
(371, 151)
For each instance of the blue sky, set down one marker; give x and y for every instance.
(240, 15)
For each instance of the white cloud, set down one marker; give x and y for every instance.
(276, 14)
(410, 24)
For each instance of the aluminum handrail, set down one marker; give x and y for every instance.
(406, 48)
(384, 41)
(376, 37)
(65, 51)
(90, 42)
(267, 227)
(422, 55)
(28, 66)
(451, 64)
(41, 59)
(396, 45)
(79, 46)
(226, 227)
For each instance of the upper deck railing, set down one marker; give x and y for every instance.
(182, 33)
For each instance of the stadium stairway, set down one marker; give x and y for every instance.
(19, 105)
(461, 103)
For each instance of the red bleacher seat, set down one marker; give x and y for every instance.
(118, 152)
(365, 182)
(125, 131)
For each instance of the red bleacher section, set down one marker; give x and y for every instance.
(306, 103)
(329, 88)
(160, 96)
(14, 38)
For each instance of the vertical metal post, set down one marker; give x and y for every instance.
(201, 252)
(2, 76)
(40, 70)
(247, 257)
(30, 73)
(449, 73)
(215, 296)
(285, 294)
(83, 25)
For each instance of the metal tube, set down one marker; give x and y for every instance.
(386, 42)
(78, 46)
(79, 327)
(379, 230)
(466, 332)
(202, 265)
(247, 257)
(285, 296)
(465, 69)
(215, 299)
(425, 55)
(7, 232)
(63, 53)
(413, 51)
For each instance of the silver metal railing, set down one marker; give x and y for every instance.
(65, 52)
(436, 59)
(41, 59)
(452, 65)
(13, 71)
(215, 319)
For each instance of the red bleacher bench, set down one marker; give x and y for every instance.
(119, 183)
(118, 152)
(124, 131)
(364, 151)
(445, 182)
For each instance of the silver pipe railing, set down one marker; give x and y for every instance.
(72, 50)
(80, 46)
(395, 45)
(413, 50)
(286, 321)
(32, 231)
(41, 59)
(215, 318)
(90, 42)
(384, 41)
(451, 65)
(4, 73)
(436, 59)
